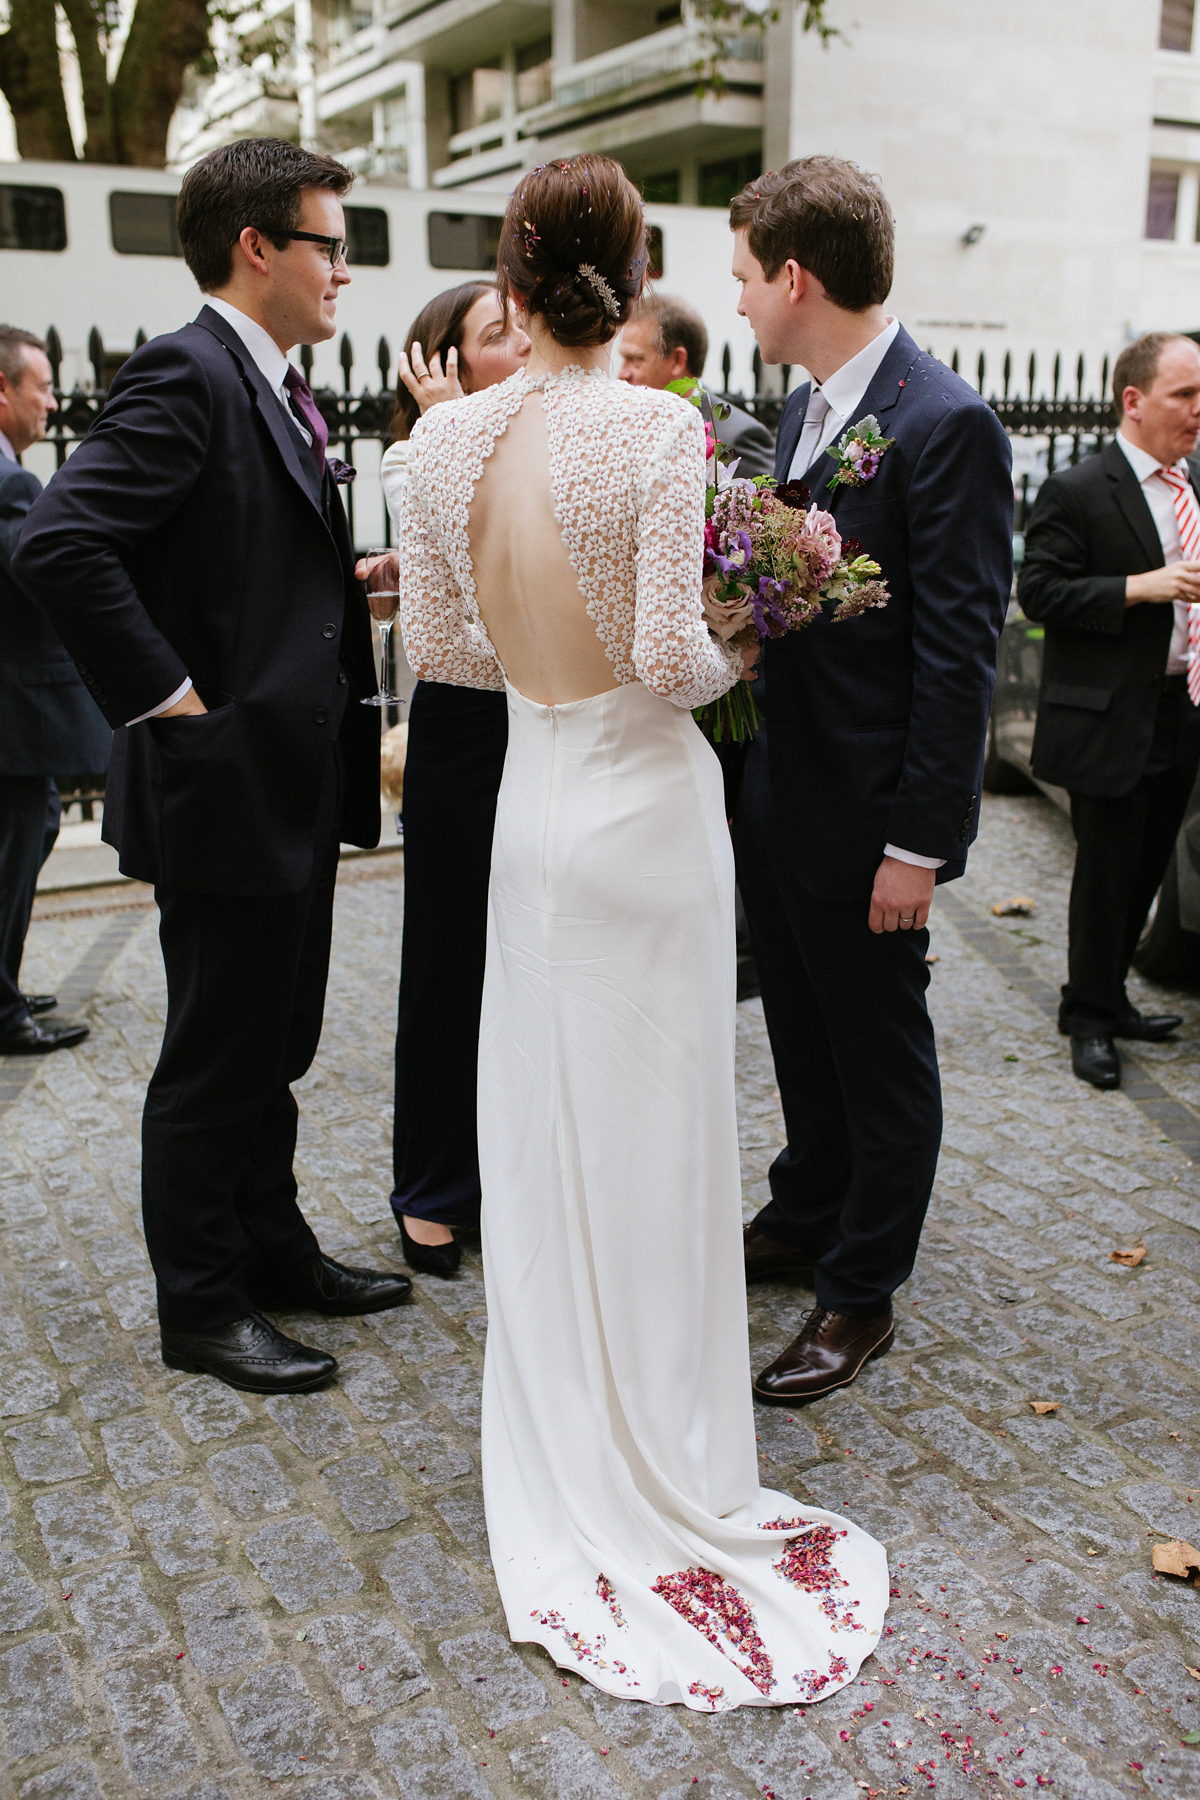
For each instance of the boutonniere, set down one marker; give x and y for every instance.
(343, 472)
(858, 453)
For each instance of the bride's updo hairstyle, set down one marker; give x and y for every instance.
(573, 247)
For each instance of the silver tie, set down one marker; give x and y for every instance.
(810, 437)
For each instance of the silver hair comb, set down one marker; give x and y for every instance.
(595, 280)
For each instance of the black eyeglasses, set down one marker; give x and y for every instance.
(336, 246)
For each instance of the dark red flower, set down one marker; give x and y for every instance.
(794, 494)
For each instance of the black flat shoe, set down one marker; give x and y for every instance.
(1095, 1059)
(330, 1287)
(429, 1259)
(40, 1002)
(1148, 1028)
(32, 1039)
(249, 1354)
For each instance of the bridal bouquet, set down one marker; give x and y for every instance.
(772, 564)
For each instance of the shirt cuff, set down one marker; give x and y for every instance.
(910, 856)
(165, 705)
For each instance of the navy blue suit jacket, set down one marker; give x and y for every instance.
(189, 534)
(49, 724)
(876, 726)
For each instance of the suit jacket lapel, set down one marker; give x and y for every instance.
(1132, 502)
(789, 432)
(883, 393)
(288, 442)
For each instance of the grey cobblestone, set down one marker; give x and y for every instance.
(232, 1511)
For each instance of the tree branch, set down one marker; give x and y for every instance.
(165, 38)
(31, 81)
(87, 28)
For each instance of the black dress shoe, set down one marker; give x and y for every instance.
(767, 1259)
(1095, 1059)
(1148, 1028)
(31, 1039)
(249, 1354)
(330, 1287)
(430, 1259)
(40, 1002)
(828, 1354)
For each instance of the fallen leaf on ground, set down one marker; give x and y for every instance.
(1194, 1673)
(1190, 1737)
(1129, 1259)
(1045, 1406)
(1175, 1558)
(1019, 907)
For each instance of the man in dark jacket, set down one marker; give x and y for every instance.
(1112, 565)
(49, 724)
(667, 340)
(195, 557)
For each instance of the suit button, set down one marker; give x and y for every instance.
(341, 677)
(329, 631)
(321, 716)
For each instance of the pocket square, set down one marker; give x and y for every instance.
(343, 472)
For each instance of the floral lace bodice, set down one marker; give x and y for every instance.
(627, 470)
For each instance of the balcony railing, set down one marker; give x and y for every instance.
(678, 49)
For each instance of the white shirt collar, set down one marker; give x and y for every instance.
(1143, 464)
(263, 349)
(844, 389)
(6, 449)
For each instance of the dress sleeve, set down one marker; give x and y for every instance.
(674, 653)
(441, 641)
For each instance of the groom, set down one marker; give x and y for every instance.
(862, 790)
(194, 556)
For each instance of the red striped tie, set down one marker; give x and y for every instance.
(1187, 517)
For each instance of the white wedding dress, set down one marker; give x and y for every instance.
(628, 1530)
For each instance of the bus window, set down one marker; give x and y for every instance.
(32, 218)
(463, 240)
(656, 252)
(143, 224)
(367, 243)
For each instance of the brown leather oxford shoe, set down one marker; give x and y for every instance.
(828, 1354)
(767, 1259)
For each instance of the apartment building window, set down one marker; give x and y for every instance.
(533, 75)
(1175, 23)
(661, 188)
(1162, 203)
(668, 15)
(477, 97)
(720, 181)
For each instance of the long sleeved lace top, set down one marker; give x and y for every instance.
(627, 472)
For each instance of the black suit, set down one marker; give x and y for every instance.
(1112, 728)
(874, 735)
(48, 726)
(191, 534)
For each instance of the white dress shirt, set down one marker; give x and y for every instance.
(831, 407)
(6, 449)
(1161, 502)
(273, 365)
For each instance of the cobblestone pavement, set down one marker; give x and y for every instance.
(205, 1595)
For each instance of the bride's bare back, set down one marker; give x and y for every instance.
(526, 590)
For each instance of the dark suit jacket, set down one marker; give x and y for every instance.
(1104, 663)
(876, 726)
(189, 535)
(49, 724)
(750, 442)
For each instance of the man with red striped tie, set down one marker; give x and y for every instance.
(1112, 569)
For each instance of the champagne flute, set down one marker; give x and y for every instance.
(383, 597)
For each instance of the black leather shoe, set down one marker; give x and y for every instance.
(429, 1259)
(31, 1039)
(1095, 1059)
(330, 1287)
(767, 1259)
(249, 1354)
(1148, 1028)
(40, 1002)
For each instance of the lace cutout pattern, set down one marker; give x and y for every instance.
(626, 469)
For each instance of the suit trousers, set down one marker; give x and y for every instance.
(457, 738)
(1122, 848)
(29, 815)
(857, 1068)
(246, 976)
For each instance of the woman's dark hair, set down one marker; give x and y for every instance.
(437, 327)
(253, 181)
(573, 246)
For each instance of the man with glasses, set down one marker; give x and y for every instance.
(194, 556)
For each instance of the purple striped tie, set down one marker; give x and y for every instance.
(306, 406)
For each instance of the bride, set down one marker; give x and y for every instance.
(552, 548)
